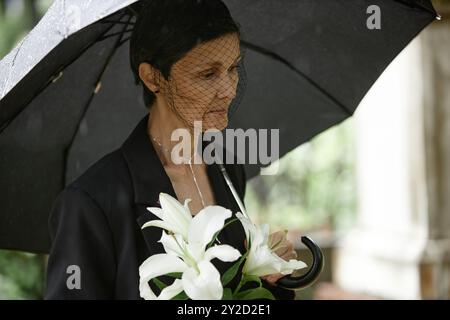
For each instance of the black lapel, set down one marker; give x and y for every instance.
(149, 179)
(147, 172)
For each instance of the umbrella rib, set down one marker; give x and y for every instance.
(132, 11)
(277, 57)
(124, 40)
(86, 107)
(113, 34)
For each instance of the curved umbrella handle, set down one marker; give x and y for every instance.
(303, 281)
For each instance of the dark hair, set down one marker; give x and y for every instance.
(166, 30)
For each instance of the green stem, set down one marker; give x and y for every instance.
(241, 282)
(217, 233)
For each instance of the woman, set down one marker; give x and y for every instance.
(185, 54)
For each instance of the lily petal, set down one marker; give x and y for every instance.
(205, 285)
(166, 294)
(157, 212)
(222, 252)
(175, 213)
(287, 267)
(265, 230)
(186, 208)
(155, 266)
(171, 291)
(160, 264)
(163, 225)
(206, 223)
(173, 244)
(261, 262)
(145, 291)
(196, 251)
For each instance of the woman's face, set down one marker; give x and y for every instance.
(203, 83)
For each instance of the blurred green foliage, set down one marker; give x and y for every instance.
(314, 188)
(21, 275)
(17, 17)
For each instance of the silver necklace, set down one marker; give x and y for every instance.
(190, 166)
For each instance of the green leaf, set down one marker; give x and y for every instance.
(218, 232)
(181, 296)
(232, 271)
(245, 279)
(161, 285)
(253, 294)
(227, 294)
(251, 278)
(176, 275)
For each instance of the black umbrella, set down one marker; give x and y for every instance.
(64, 87)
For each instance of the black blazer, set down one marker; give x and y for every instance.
(95, 222)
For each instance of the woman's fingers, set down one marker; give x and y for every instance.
(283, 247)
(290, 255)
(273, 278)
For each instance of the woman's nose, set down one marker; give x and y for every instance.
(227, 87)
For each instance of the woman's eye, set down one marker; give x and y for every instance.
(208, 75)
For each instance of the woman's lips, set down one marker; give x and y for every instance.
(220, 111)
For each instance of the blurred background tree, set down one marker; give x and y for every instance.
(315, 188)
(17, 17)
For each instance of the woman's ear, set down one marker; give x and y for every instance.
(149, 76)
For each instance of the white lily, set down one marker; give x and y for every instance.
(261, 260)
(200, 279)
(174, 216)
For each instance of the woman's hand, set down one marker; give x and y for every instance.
(284, 248)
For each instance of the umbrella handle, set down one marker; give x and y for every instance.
(303, 281)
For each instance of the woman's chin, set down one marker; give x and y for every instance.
(216, 123)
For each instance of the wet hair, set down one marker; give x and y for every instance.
(165, 31)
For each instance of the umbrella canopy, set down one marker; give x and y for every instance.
(68, 95)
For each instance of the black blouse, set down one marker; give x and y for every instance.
(95, 223)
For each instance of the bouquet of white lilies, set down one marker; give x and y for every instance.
(190, 245)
